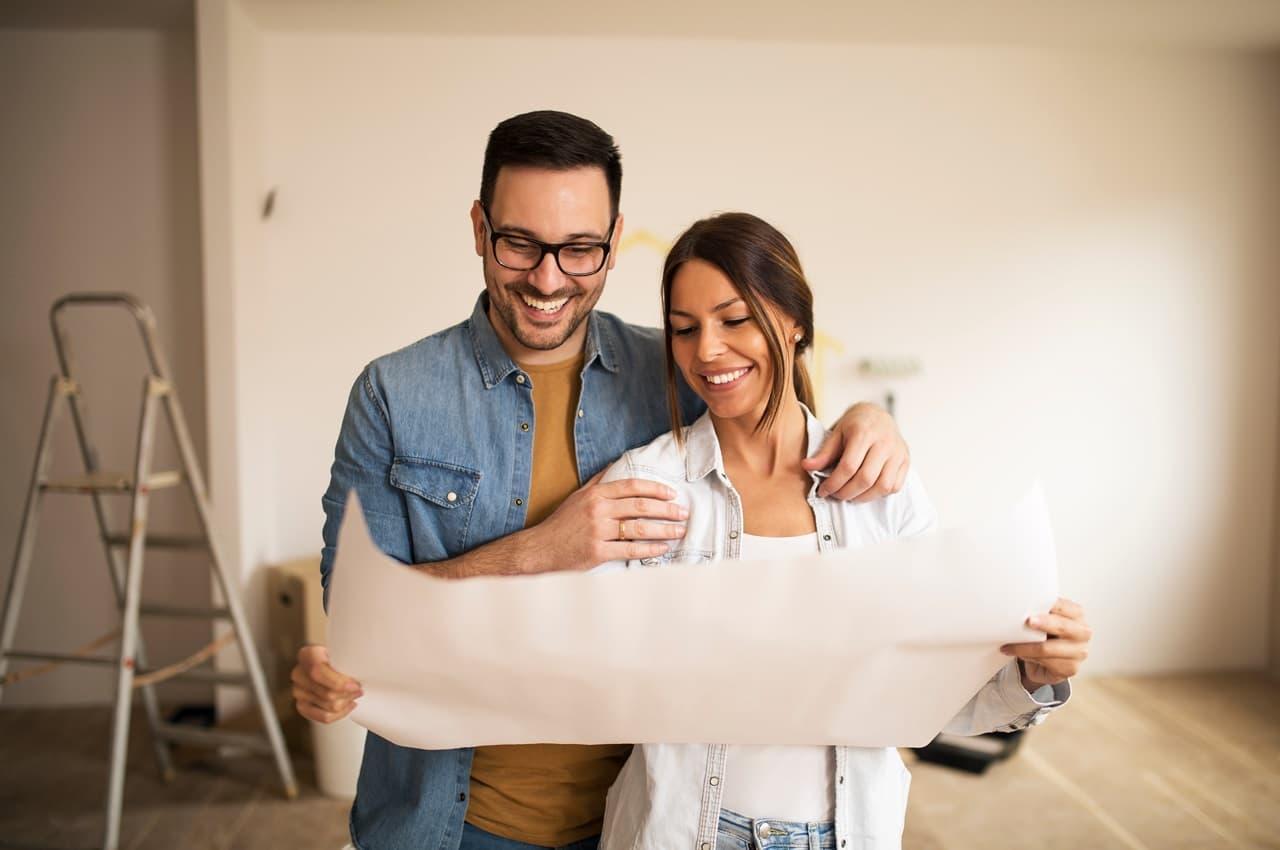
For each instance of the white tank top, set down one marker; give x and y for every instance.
(786, 783)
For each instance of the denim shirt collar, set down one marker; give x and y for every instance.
(702, 448)
(495, 364)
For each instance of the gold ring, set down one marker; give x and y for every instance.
(622, 529)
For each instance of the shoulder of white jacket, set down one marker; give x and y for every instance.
(663, 454)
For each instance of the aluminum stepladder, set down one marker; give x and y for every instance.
(124, 552)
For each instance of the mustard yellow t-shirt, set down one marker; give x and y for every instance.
(546, 794)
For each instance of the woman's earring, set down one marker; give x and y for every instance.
(799, 336)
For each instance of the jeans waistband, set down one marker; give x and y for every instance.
(770, 834)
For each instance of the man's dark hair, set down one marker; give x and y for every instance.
(554, 140)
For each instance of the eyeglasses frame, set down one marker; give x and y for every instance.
(552, 248)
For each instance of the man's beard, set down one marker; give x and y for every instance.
(543, 339)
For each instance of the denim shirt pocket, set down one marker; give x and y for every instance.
(441, 513)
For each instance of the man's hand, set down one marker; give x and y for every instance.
(622, 520)
(321, 693)
(1059, 657)
(869, 455)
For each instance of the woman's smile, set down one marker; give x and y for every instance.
(723, 380)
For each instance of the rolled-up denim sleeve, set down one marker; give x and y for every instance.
(362, 462)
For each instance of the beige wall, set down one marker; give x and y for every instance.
(98, 164)
(1077, 244)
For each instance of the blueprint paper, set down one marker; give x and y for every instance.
(870, 647)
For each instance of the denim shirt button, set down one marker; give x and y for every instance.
(452, 497)
(524, 426)
(518, 502)
(580, 413)
(519, 379)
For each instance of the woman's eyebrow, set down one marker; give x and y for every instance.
(716, 309)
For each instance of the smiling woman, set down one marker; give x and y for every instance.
(739, 315)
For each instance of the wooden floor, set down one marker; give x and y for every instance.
(1162, 762)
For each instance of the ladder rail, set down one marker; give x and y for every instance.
(129, 627)
(30, 519)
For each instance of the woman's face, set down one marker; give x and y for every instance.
(716, 344)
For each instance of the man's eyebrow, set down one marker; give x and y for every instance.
(716, 309)
(572, 237)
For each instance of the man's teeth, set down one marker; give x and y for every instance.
(544, 306)
(725, 377)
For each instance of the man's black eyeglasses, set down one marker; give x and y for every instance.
(521, 253)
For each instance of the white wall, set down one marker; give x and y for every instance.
(230, 154)
(97, 161)
(1078, 245)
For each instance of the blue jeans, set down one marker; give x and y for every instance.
(738, 832)
(474, 838)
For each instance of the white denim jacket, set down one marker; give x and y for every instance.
(667, 796)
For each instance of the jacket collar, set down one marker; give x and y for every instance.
(496, 365)
(702, 448)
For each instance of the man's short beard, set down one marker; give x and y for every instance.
(507, 311)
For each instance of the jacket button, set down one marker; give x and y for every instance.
(715, 780)
(705, 846)
(826, 537)
(842, 780)
(524, 426)
(452, 497)
(733, 535)
(519, 379)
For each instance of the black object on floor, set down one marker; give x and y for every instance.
(973, 754)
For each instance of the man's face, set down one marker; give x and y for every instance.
(540, 314)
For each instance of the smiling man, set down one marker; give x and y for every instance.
(476, 451)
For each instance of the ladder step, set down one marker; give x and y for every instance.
(182, 734)
(61, 657)
(179, 611)
(162, 541)
(110, 482)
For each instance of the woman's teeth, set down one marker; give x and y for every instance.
(544, 306)
(725, 377)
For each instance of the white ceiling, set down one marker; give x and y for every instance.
(1234, 24)
(1212, 24)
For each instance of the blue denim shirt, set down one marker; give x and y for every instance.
(437, 440)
